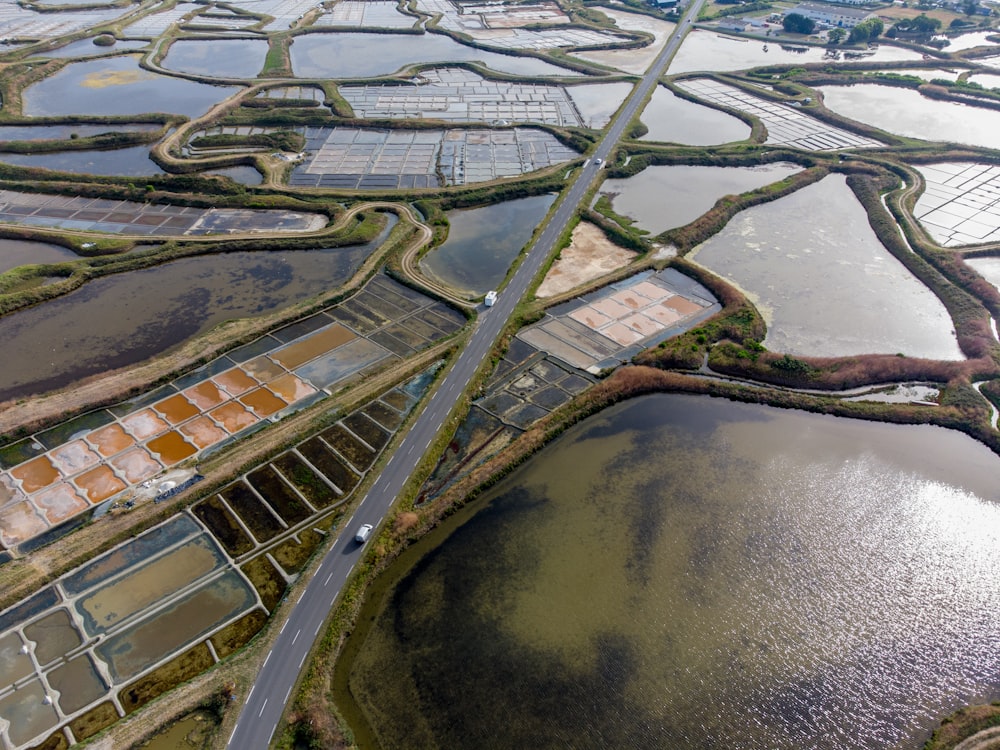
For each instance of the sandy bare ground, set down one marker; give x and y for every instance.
(589, 256)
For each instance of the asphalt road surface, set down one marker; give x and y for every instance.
(265, 703)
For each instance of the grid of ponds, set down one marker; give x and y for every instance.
(786, 125)
(960, 204)
(362, 14)
(368, 159)
(56, 477)
(129, 217)
(17, 22)
(613, 324)
(153, 612)
(459, 95)
(495, 26)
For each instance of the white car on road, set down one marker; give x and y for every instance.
(363, 533)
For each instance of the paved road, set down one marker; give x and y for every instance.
(266, 701)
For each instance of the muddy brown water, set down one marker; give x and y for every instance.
(686, 572)
(124, 319)
(145, 584)
(14, 253)
(134, 649)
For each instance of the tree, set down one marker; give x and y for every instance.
(922, 24)
(796, 23)
(866, 31)
(836, 35)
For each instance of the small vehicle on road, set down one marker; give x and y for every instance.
(363, 533)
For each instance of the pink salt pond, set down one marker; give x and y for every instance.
(99, 484)
(235, 381)
(291, 388)
(203, 432)
(144, 424)
(9, 491)
(60, 502)
(171, 448)
(110, 440)
(74, 457)
(35, 474)
(18, 522)
(135, 465)
(206, 395)
(233, 417)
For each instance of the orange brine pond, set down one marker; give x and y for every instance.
(110, 440)
(74, 457)
(176, 409)
(144, 424)
(319, 343)
(233, 417)
(235, 381)
(19, 522)
(263, 369)
(99, 483)
(291, 388)
(136, 465)
(35, 474)
(263, 402)
(59, 502)
(171, 448)
(203, 432)
(206, 395)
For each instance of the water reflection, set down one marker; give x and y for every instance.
(685, 572)
(483, 242)
(130, 162)
(118, 86)
(822, 296)
(907, 112)
(119, 320)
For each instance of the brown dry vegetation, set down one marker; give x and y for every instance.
(963, 724)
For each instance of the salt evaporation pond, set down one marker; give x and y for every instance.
(14, 253)
(365, 55)
(120, 320)
(824, 283)
(631, 60)
(662, 198)
(64, 132)
(674, 120)
(687, 572)
(87, 48)
(968, 41)
(130, 162)
(708, 51)
(118, 86)
(906, 112)
(483, 242)
(217, 58)
(597, 102)
(243, 175)
(988, 268)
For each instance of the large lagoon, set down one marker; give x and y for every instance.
(686, 572)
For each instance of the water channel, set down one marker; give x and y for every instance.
(687, 572)
(128, 162)
(14, 253)
(120, 320)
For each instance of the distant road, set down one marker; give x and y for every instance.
(264, 705)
